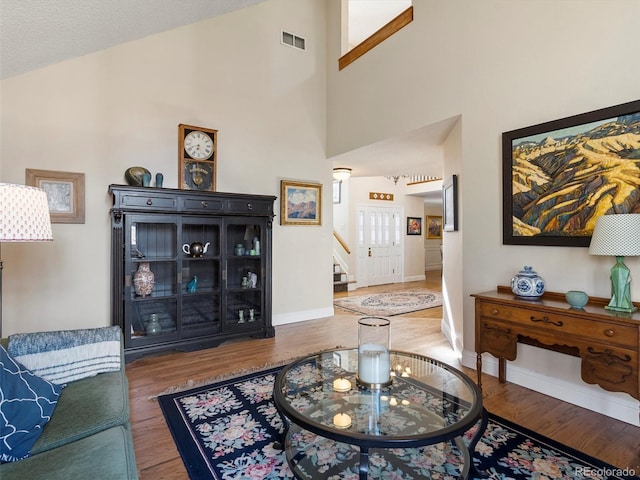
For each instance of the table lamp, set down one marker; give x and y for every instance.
(24, 217)
(618, 235)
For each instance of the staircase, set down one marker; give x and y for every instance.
(340, 283)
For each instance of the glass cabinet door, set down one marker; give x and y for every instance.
(200, 277)
(244, 273)
(150, 279)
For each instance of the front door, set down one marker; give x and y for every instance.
(379, 247)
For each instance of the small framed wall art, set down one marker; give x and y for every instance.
(414, 226)
(65, 193)
(434, 226)
(450, 204)
(197, 157)
(300, 203)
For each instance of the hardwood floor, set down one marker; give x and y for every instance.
(612, 441)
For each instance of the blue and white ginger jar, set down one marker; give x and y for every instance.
(527, 284)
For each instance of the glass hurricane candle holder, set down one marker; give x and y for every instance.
(374, 362)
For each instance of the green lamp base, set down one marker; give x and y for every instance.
(614, 308)
(621, 288)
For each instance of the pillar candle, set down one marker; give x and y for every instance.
(373, 363)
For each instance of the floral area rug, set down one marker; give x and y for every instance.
(231, 430)
(392, 303)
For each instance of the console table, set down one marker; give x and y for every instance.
(608, 343)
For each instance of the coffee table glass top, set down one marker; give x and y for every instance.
(428, 401)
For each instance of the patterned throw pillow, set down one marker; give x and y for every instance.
(26, 404)
(68, 355)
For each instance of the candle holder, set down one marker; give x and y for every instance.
(400, 368)
(374, 362)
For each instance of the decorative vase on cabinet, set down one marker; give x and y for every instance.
(143, 280)
(153, 327)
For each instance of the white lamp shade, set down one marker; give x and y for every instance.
(24, 214)
(341, 173)
(616, 235)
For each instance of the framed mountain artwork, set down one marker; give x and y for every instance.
(560, 176)
(300, 203)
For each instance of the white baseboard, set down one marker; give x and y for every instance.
(295, 317)
(415, 278)
(593, 398)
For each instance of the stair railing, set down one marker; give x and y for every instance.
(342, 243)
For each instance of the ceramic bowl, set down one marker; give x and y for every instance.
(576, 298)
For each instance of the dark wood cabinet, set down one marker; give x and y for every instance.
(209, 255)
(608, 343)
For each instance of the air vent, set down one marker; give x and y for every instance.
(294, 41)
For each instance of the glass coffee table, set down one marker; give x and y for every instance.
(336, 429)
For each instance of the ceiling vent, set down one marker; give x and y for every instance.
(294, 41)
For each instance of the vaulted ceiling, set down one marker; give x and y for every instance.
(37, 33)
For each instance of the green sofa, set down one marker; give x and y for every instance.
(88, 436)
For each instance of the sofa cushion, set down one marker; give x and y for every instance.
(85, 407)
(26, 404)
(107, 455)
(68, 355)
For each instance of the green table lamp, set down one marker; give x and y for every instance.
(618, 235)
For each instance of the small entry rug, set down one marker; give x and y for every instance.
(392, 303)
(231, 430)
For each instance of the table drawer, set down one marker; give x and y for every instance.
(597, 330)
(613, 369)
(201, 205)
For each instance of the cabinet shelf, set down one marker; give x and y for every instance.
(139, 337)
(151, 298)
(243, 290)
(137, 261)
(200, 293)
(159, 235)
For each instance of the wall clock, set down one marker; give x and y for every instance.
(197, 157)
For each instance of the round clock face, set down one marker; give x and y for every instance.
(198, 145)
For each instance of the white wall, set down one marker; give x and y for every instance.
(453, 251)
(104, 112)
(500, 65)
(341, 221)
